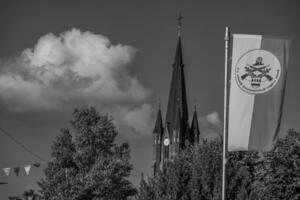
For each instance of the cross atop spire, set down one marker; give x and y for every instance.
(179, 23)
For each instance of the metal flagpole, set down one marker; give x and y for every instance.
(225, 124)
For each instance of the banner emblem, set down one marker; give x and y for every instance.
(257, 71)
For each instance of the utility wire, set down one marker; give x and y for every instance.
(21, 145)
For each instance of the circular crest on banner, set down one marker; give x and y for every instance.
(257, 71)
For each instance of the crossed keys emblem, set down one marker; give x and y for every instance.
(257, 72)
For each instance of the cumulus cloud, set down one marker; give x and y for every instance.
(137, 119)
(214, 119)
(80, 67)
(73, 65)
(210, 125)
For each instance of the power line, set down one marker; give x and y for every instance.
(21, 145)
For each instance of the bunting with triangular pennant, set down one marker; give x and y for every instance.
(7, 171)
(17, 170)
(27, 169)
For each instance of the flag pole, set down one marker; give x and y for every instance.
(225, 124)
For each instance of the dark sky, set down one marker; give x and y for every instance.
(141, 70)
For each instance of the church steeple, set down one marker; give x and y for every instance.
(176, 134)
(177, 94)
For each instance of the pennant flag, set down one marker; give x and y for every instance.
(37, 165)
(258, 77)
(17, 170)
(27, 169)
(7, 170)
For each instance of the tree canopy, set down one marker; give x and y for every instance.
(86, 163)
(196, 174)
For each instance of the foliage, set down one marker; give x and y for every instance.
(86, 163)
(278, 175)
(196, 174)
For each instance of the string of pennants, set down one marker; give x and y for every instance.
(16, 170)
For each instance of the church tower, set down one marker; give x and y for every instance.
(172, 136)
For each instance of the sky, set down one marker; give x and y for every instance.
(117, 56)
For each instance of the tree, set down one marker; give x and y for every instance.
(86, 163)
(277, 176)
(271, 175)
(206, 169)
(196, 174)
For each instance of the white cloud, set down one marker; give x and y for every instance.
(74, 65)
(214, 119)
(140, 118)
(72, 69)
(210, 125)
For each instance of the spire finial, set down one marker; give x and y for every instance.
(179, 23)
(195, 107)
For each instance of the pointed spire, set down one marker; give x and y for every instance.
(195, 119)
(195, 132)
(158, 124)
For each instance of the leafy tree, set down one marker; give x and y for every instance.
(172, 183)
(277, 176)
(196, 174)
(207, 162)
(240, 174)
(193, 174)
(86, 163)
